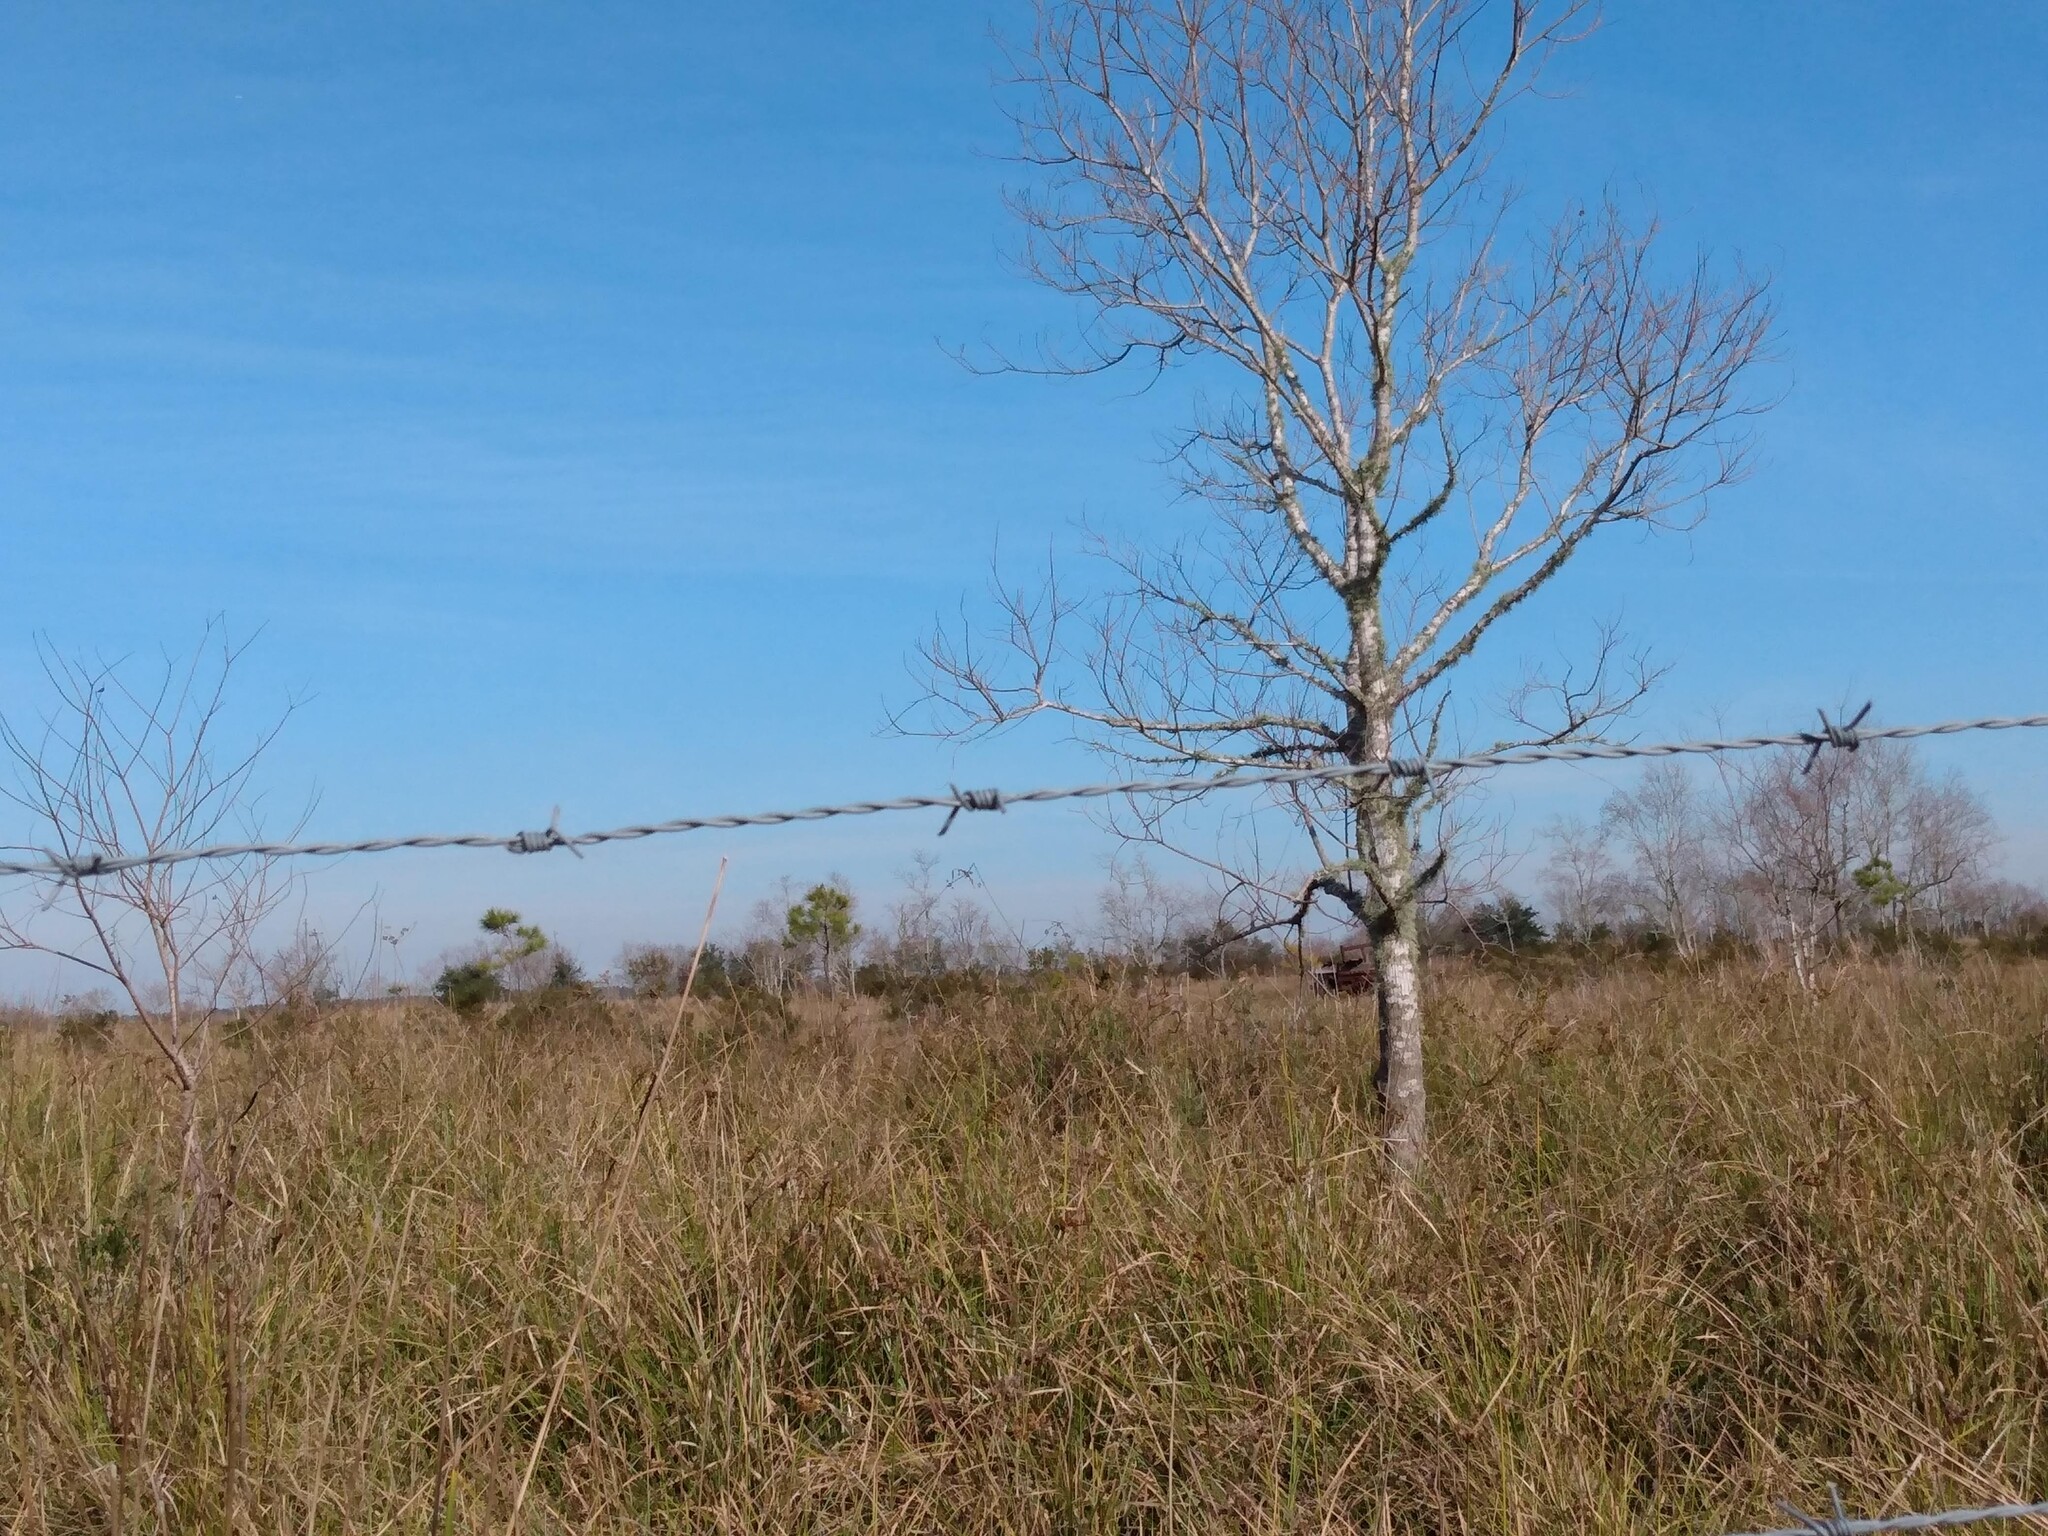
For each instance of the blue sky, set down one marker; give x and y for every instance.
(566, 393)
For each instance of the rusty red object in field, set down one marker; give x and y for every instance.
(1350, 971)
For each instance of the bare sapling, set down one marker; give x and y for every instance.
(1423, 403)
(130, 760)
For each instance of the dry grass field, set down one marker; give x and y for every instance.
(1059, 1259)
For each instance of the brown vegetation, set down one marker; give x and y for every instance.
(1053, 1257)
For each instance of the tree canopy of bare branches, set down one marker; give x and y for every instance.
(1794, 856)
(1428, 403)
(1802, 845)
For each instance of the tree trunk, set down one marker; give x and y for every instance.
(1804, 950)
(1397, 950)
(195, 1180)
(1396, 931)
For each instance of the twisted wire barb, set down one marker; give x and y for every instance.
(1845, 737)
(1838, 1524)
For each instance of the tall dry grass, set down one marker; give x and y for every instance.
(1067, 1259)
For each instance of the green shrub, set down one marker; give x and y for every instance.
(558, 1007)
(88, 1029)
(1509, 923)
(468, 989)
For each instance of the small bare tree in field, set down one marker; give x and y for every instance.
(1426, 406)
(125, 764)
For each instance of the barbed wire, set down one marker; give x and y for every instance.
(1839, 1524)
(53, 865)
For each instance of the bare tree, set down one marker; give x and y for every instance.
(1999, 907)
(972, 939)
(1947, 833)
(1879, 785)
(916, 945)
(765, 954)
(304, 972)
(1791, 843)
(1663, 829)
(1143, 914)
(1427, 406)
(1579, 878)
(120, 767)
(1919, 836)
(1831, 846)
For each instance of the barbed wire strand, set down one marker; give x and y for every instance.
(1839, 1524)
(1843, 737)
